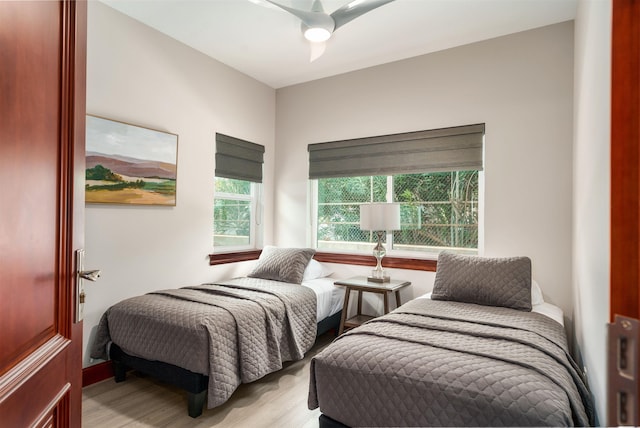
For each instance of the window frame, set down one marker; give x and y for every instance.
(391, 251)
(255, 227)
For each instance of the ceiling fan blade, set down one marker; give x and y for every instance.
(311, 19)
(317, 6)
(317, 49)
(354, 9)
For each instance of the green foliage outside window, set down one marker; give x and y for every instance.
(339, 202)
(438, 210)
(229, 185)
(232, 213)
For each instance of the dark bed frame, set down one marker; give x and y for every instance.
(327, 422)
(194, 383)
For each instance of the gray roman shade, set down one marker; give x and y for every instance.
(238, 159)
(446, 149)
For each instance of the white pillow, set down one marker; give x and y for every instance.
(315, 270)
(536, 294)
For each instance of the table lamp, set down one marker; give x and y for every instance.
(379, 218)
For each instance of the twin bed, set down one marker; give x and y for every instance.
(208, 339)
(473, 352)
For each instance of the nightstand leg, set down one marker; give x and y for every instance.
(345, 309)
(359, 303)
(386, 302)
(398, 304)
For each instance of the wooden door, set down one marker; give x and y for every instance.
(42, 116)
(625, 160)
(623, 397)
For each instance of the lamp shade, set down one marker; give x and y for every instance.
(380, 216)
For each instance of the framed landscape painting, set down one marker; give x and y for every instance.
(128, 164)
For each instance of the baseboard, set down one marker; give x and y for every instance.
(96, 373)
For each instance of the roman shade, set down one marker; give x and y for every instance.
(447, 149)
(238, 159)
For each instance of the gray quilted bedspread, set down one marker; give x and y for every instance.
(234, 332)
(441, 363)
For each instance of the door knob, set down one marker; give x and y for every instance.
(81, 275)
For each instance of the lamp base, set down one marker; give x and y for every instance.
(378, 276)
(378, 280)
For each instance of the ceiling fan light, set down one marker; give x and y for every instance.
(317, 34)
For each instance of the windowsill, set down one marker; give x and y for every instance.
(340, 258)
(238, 256)
(367, 260)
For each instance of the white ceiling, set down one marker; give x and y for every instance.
(266, 42)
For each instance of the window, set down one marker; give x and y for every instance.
(234, 214)
(434, 175)
(437, 211)
(237, 190)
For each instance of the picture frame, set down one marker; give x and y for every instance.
(129, 164)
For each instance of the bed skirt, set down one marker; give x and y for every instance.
(195, 384)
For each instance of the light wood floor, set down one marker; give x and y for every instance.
(277, 400)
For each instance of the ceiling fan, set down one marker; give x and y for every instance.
(318, 26)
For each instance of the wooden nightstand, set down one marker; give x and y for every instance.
(360, 284)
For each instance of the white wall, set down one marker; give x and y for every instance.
(591, 190)
(520, 85)
(139, 76)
